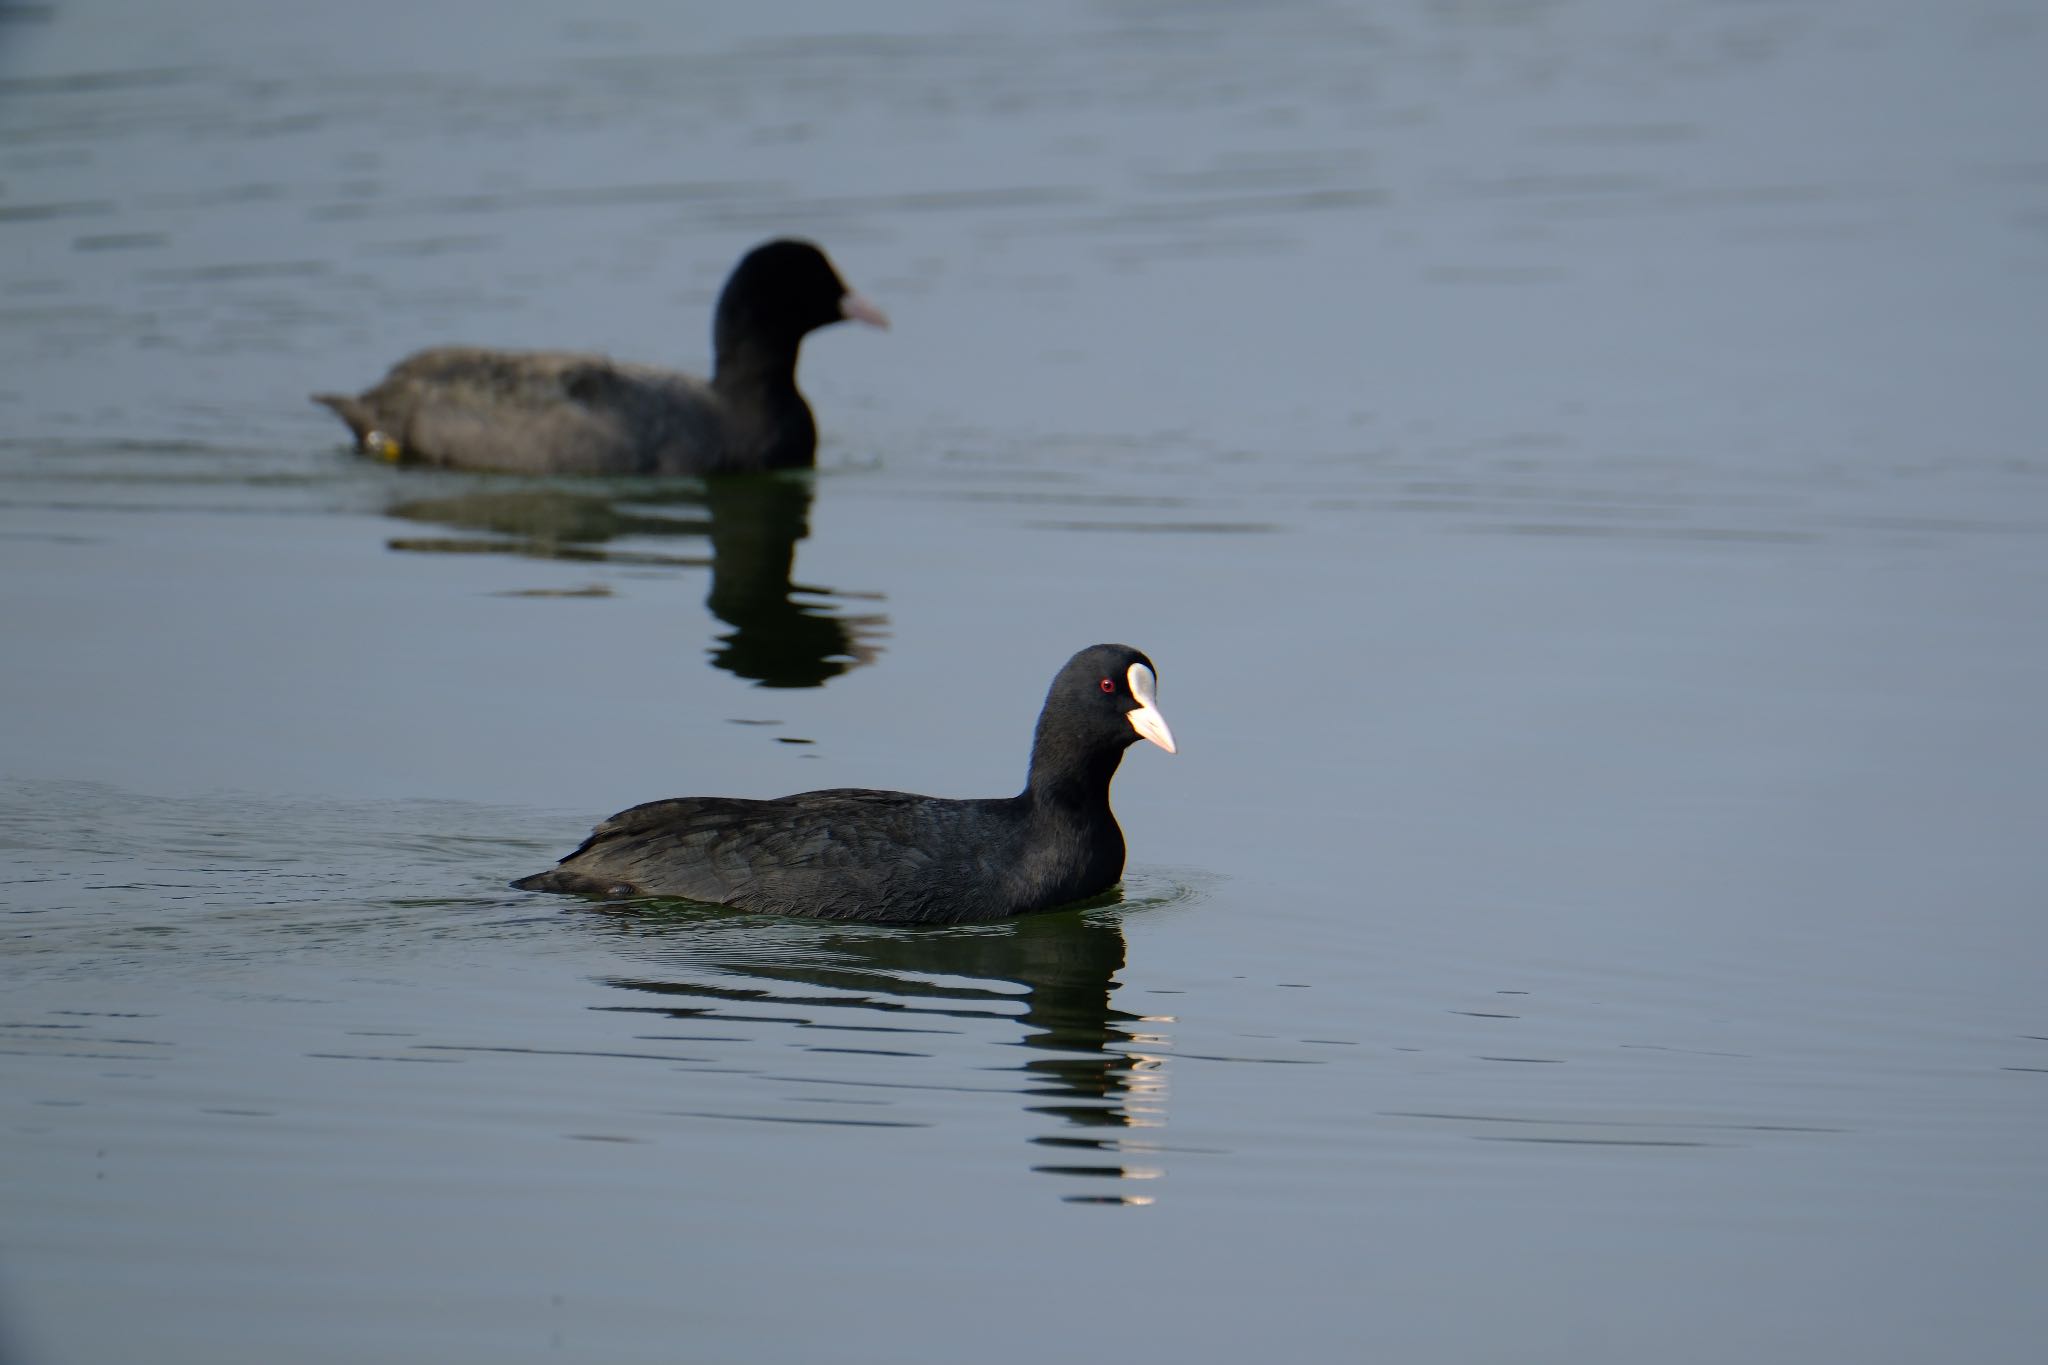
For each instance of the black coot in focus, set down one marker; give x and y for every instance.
(556, 412)
(852, 853)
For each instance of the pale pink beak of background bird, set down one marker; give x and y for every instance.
(858, 309)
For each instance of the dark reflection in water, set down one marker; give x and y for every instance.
(780, 637)
(1096, 1070)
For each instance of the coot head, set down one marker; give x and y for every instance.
(779, 291)
(1101, 703)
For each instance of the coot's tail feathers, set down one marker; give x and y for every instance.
(349, 410)
(576, 883)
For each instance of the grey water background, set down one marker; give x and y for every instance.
(1577, 464)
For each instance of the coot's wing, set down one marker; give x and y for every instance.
(676, 421)
(555, 412)
(683, 847)
(482, 377)
(845, 854)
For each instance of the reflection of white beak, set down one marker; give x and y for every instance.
(857, 309)
(1146, 720)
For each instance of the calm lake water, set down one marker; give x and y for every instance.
(1578, 466)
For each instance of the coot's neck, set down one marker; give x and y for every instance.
(745, 353)
(769, 425)
(1079, 848)
(1062, 779)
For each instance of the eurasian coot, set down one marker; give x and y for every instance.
(857, 854)
(555, 412)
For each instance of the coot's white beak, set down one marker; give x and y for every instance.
(857, 309)
(1146, 720)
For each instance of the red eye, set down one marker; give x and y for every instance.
(1108, 686)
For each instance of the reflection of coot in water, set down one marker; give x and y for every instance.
(751, 973)
(753, 523)
(897, 857)
(776, 641)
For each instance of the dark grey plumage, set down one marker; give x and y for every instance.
(853, 853)
(559, 412)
